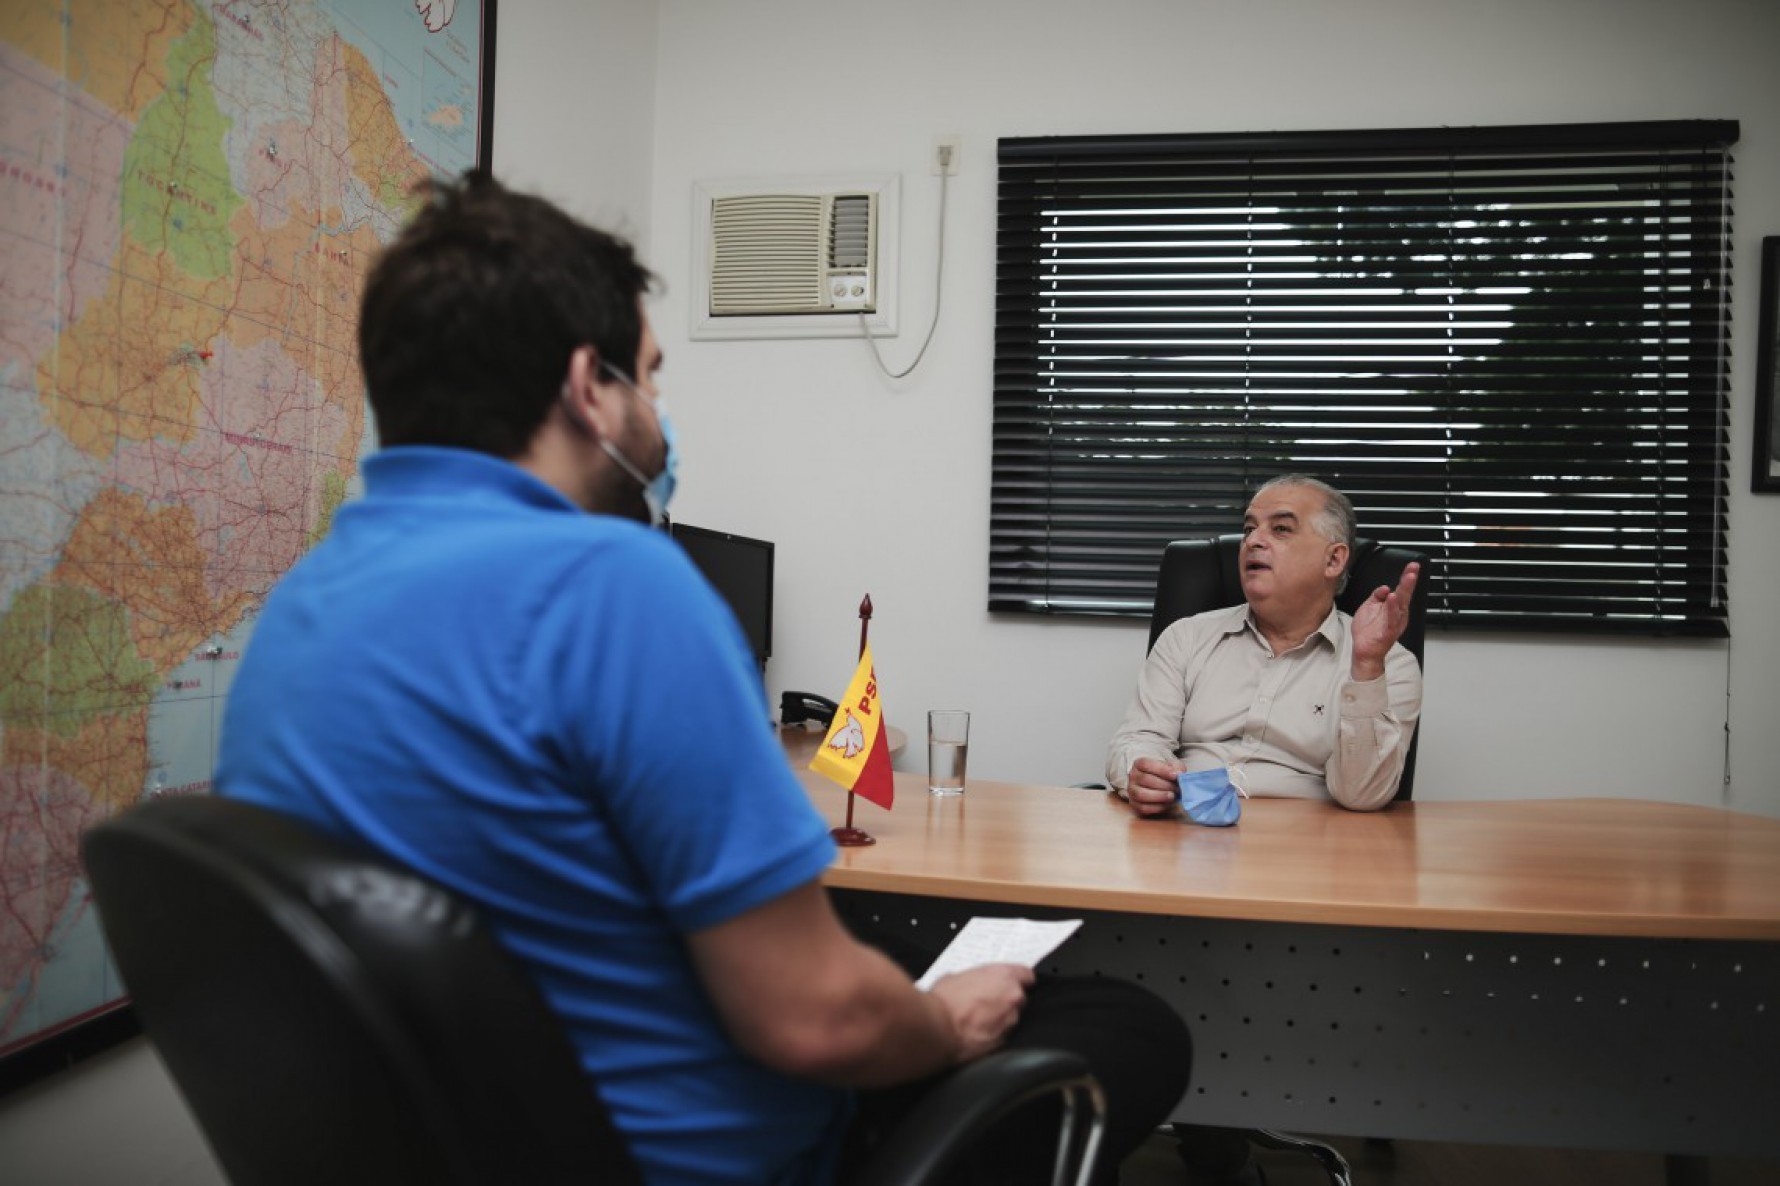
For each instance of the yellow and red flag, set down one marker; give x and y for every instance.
(856, 752)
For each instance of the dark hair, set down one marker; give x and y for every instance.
(470, 316)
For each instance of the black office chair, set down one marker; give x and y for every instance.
(332, 1017)
(1204, 574)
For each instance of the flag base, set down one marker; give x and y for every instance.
(852, 837)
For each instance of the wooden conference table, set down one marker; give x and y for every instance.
(1593, 973)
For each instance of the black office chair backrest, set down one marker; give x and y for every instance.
(333, 1018)
(1203, 574)
(330, 1017)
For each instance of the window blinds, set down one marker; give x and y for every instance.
(1507, 345)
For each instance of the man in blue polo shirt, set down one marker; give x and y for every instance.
(495, 672)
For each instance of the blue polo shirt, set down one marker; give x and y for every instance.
(553, 714)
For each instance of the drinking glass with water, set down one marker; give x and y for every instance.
(948, 750)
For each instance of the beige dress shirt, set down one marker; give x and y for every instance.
(1212, 693)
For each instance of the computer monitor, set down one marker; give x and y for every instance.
(741, 570)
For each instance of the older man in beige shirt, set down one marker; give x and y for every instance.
(1303, 700)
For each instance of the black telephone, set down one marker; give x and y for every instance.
(797, 707)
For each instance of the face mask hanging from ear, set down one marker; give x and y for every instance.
(659, 490)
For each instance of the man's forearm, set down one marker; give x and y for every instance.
(1376, 724)
(1368, 760)
(1151, 726)
(1124, 751)
(802, 995)
(1154, 707)
(882, 1032)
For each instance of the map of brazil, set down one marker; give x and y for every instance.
(191, 193)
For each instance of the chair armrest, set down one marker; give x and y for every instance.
(963, 1106)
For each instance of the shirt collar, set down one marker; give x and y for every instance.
(1330, 628)
(437, 471)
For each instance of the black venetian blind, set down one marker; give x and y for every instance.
(1507, 345)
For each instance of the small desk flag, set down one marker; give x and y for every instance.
(856, 752)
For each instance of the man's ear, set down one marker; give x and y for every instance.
(586, 402)
(1337, 562)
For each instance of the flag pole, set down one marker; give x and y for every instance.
(848, 836)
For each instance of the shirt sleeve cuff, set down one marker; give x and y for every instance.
(1368, 698)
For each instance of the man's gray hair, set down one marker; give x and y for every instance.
(1335, 522)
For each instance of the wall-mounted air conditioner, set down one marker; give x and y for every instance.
(794, 258)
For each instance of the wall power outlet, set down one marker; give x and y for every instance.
(945, 155)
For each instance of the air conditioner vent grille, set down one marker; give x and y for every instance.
(850, 242)
(766, 253)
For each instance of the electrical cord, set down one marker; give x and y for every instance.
(939, 269)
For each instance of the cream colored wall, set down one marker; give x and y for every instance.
(868, 484)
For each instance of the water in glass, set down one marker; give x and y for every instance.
(945, 766)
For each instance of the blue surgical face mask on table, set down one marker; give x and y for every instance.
(1214, 797)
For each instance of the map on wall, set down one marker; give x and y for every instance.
(191, 192)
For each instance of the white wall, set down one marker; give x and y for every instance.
(872, 485)
(574, 106)
(574, 83)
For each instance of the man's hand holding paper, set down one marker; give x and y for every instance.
(983, 1004)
